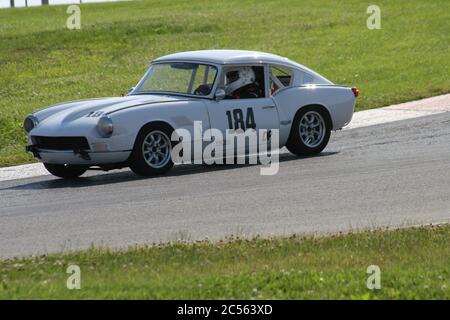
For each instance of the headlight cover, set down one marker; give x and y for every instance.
(105, 126)
(30, 123)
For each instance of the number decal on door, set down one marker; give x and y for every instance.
(236, 119)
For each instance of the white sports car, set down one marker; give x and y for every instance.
(221, 89)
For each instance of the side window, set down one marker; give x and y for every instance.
(280, 77)
(244, 82)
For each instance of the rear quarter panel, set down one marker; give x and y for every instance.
(339, 101)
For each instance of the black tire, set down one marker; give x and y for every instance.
(296, 143)
(138, 162)
(65, 171)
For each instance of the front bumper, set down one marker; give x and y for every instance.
(79, 156)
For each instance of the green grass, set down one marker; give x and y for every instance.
(42, 62)
(414, 264)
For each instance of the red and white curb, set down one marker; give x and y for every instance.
(403, 111)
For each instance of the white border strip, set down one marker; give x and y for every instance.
(403, 111)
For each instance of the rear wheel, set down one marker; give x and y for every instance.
(152, 151)
(65, 171)
(310, 131)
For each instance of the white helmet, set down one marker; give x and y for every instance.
(246, 75)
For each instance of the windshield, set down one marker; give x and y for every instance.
(178, 77)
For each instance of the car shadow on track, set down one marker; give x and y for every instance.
(127, 175)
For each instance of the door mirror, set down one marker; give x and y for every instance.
(219, 94)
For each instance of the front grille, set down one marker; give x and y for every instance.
(60, 143)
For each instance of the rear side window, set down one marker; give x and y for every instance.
(308, 79)
(280, 77)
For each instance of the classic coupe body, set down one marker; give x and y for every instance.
(224, 89)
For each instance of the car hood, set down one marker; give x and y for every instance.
(70, 111)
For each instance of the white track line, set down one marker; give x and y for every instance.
(22, 171)
(403, 111)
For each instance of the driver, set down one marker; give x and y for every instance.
(241, 83)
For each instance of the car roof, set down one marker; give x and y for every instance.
(224, 57)
(229, 57)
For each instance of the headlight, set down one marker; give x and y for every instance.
(30, 123)
(105, 126)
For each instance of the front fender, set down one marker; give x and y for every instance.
(178, 114)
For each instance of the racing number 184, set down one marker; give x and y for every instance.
(236, 119)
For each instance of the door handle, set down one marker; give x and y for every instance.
(268, 107)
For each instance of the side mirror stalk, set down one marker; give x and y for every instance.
(219, 94)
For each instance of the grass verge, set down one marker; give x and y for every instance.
(414, 264)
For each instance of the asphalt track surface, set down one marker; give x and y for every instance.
(395, 174)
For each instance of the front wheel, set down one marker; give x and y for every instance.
(310, 131)
(65, 171)
(152, 151)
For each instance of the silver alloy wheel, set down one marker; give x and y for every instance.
(312, 129)
(156, 149)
